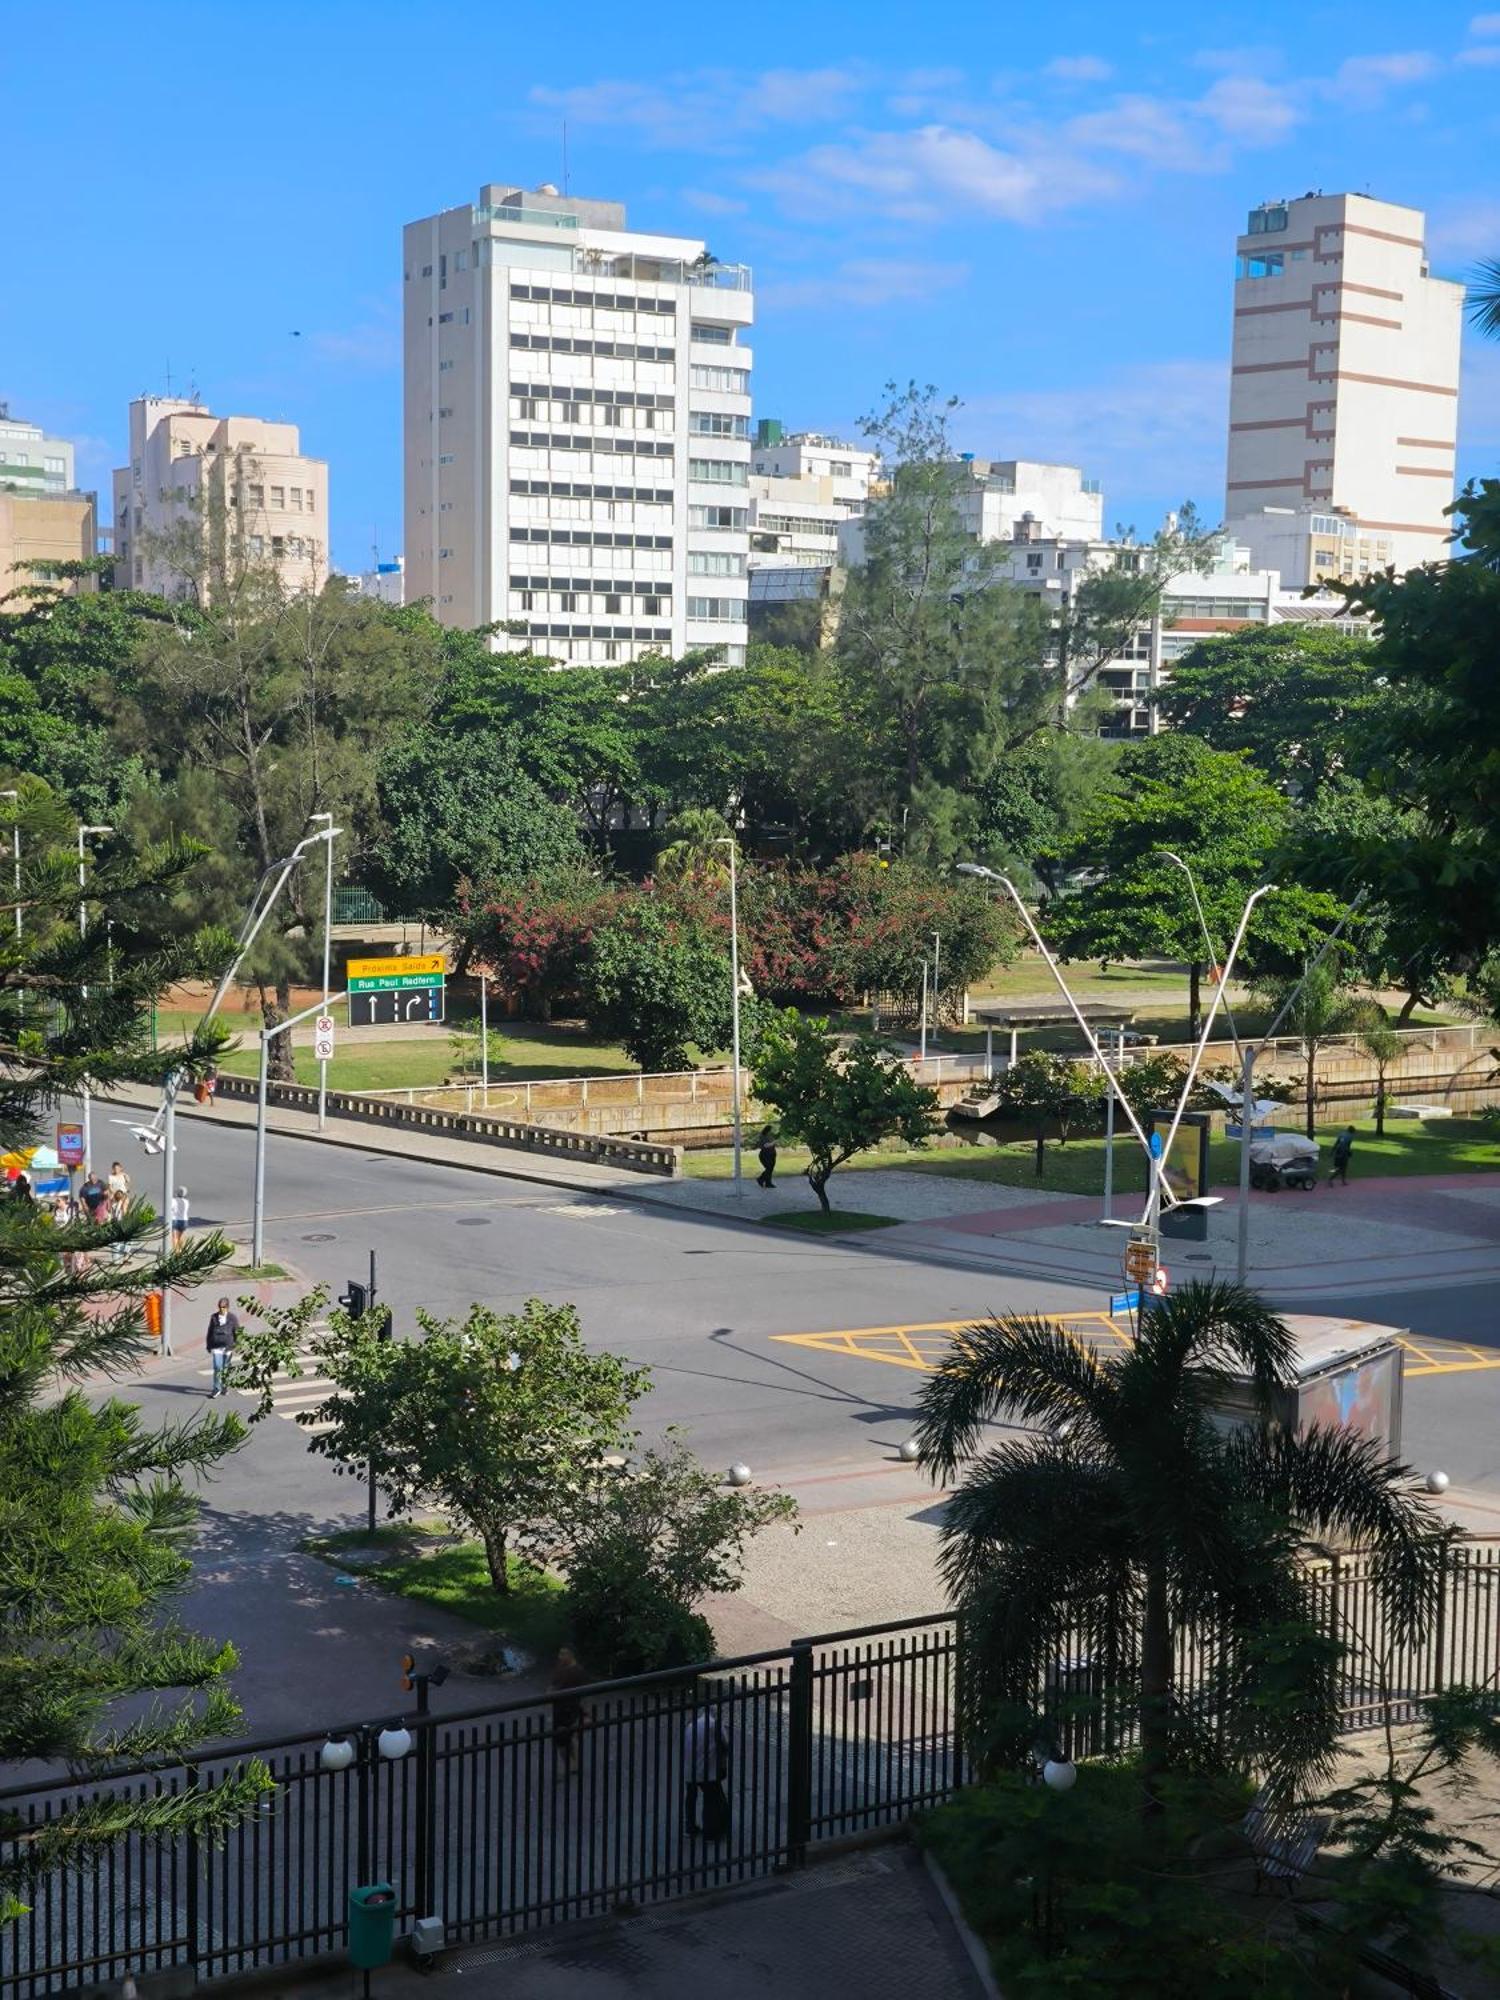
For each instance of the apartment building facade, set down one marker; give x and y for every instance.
(1343, 414)
(44, 519)
(203, 496)
(576, 429)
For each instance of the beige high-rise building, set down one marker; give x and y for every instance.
(43, 518)
(1343, 414)
(260, 499)
(577, 419)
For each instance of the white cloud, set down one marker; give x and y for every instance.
(705, 109)
(709, 203)
(1469, 229)
(1485, 24)
(924, 175)
(1161, 423)
(862, 281)
(1486, 56)
(1145, 128)
(1367, 81)
(1250, 110)
(1079, 69)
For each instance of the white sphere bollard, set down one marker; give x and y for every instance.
(738, 1474)
(909, 1452)
(1437, 1482)
(1059, 1774)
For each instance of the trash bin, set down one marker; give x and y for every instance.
(372, 1925)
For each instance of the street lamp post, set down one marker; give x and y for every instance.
(267, 1036)
(328, 837)
(937, 986)
(1154, 1167)
(1177, 861)
(84, 833)
(923, 1045)
(732, 844)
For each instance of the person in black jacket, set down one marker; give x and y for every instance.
(223, 1330)
(766, 1178)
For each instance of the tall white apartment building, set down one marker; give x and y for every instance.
(246, 480)
(1343, 409)
(30, 461)
(577, 429)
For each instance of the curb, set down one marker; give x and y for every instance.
(362, 1144)
(979, 1958)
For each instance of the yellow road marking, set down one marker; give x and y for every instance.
(921, 1344)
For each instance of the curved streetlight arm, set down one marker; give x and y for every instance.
(1254, 897)
(1177, 861)
(1157, 1172)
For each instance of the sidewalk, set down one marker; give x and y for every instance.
(1376, 1236)
(433, 1148)
(870, 1923)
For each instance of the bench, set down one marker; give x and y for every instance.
(1284, 1843)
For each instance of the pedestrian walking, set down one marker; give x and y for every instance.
(20, 1191)
(95, 1197)
(118, 1185)
(705, 1768)
(1343, 1146)
(181, 1216)
(567, 1710)
(766, 1178)
(63, 1217)
(223, 1330)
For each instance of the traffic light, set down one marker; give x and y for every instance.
(356, 1300)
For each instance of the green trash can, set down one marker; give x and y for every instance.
(372, 1925)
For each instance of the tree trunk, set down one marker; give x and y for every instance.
(818, 1182)
(1041, 1152)
(1408, 1007)
(494, 1555)
(1380, 1100)
(1195, 1000)
(1156, 1686)
(280, 1066)
(1312, 1090)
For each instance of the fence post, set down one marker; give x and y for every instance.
(1440, 1626)
(426, 1828)
(194, 1867)
(799, 1755)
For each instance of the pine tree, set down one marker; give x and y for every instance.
(95, 1520)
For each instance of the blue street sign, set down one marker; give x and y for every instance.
(1124, 1302)
(1156, 1146)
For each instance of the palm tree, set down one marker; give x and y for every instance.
(1130, 1516)
(1321, 1010)
(1383, 1046)
(1484, 298)
(695, 846)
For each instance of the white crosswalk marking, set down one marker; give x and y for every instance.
(290, 1394)
(583, 1211)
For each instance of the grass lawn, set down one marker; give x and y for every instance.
(420, 1563)
(535, 1050)
(1448, 1146)
(815, 1223)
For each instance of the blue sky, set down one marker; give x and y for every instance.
(1032, 206)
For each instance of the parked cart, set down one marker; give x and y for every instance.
(1287, 1161)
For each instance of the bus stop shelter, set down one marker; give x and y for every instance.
(1014, 1016)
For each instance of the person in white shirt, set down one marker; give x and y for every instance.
(181, 1216)
(705, 1766)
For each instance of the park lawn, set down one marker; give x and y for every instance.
(813, 1222)
(417, 1562)
(537, 1050)
(1447, 1146)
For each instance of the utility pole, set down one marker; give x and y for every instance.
(328, 839)
(937, 987)
(734, 981)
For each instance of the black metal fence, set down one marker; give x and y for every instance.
(481, 1824)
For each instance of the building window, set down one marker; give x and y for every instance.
(569, 600)
(257, 496)
(426, 270)
(717, 610)
(715, 562)
(713, 336)
(612, 603)
(278, 545)
(651, 608)
(445, 458)
(444, 366)
(716, 423)
(1033, 564)
(296, 499)
(278, 497)
(719, 471)
(733, 381)
(719, 517)
(445, 319)
(1263, 264)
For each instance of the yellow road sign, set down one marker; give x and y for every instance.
(433, 964)
(922, 1345)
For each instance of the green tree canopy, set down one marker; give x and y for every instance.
(1226, 821)
(456, 806)
(95, 1517)
(1294, 698)
(838, 1100)
(658, 984)
(502, 1420)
